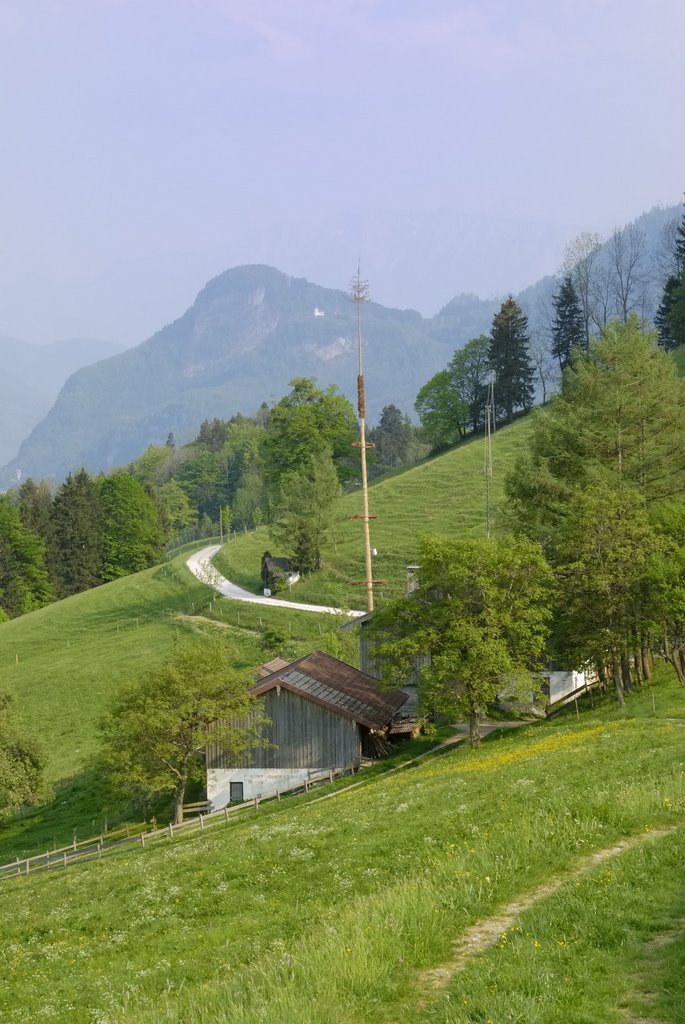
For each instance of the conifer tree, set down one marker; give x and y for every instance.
(568, 329)
(670, 317)
(663, 317)
(391, 437)
(308, 498)
(509, 359)
(78, 535)
(676, 313)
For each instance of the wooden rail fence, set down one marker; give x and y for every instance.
(129, 838)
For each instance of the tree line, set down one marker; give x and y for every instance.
(598, 283)
(288, 459)
(588, 564)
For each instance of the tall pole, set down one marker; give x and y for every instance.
(360, 294)
(489, 430)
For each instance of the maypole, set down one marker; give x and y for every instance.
(489, 431)
(360, 294)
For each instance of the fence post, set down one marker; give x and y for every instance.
(226, 813)
(202, 823)
(171, 831)
(65, 859)
(142, 839)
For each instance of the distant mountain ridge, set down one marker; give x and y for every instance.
(250, 331)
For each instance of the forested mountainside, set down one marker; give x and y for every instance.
(252, 329)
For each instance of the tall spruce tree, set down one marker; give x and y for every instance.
(676, 313)
(509, 359)
(392, 437)
(307, 500)
(78, 535)
(568, 329)
(670, 317)
(663, 320)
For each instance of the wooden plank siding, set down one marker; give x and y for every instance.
(303, 734)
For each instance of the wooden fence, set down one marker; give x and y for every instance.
(135, 836)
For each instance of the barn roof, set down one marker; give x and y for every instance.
(269, 667)
(337, 686)
(278, 564)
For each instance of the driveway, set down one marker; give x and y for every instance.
(200, 565)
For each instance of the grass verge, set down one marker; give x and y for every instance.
(330, 910)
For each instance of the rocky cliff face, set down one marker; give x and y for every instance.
(249, 332)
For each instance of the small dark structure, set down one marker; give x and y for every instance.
(324, 715)
(278, 572)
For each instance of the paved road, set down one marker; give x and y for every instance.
(200, 565)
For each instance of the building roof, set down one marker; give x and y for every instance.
(269, 667)
(278, 564)
(337, 686)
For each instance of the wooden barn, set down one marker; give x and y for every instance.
(278, 572)
(324, 715)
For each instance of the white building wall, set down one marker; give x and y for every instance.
(257, 782)
(563, 683)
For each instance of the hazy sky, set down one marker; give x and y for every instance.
(149, 144)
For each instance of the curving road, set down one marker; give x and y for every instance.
(200, 565)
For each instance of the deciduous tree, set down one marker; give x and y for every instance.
(441, 411)
(131, 538)
(22, 762)
(306, 422)
(481, 612)
(160, 723)
(625, 255)
(24, 581)
(469, 371)
(580, 262)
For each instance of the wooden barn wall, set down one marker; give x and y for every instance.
(304, 735)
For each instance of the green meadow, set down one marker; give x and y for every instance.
(444, 495)
(460, 888)
(357, 908)
(65, 662)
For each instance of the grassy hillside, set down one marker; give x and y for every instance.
(445, 495)
(67, 660)
(359, 908)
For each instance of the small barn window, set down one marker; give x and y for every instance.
(236, 792)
